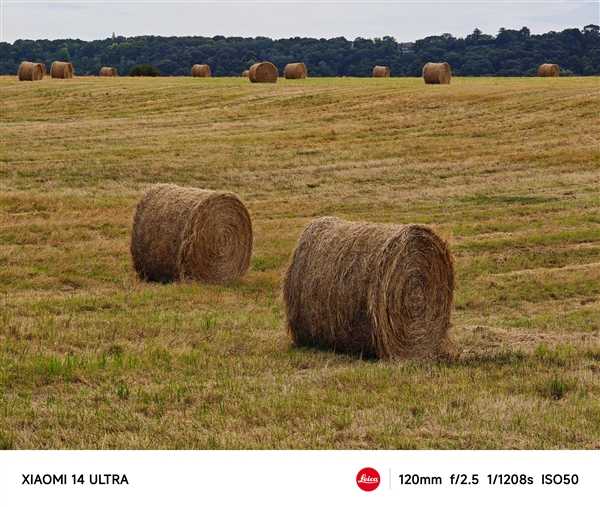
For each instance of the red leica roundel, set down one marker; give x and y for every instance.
(368, 479)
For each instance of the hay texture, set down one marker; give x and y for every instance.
(548, 70)
(190, 233)
(263, 72)
(295, 71)
(30, 71)
(381, 71)
(370, 289)
(61, 70)
(108, 72)
(437, 73)
(201, 70)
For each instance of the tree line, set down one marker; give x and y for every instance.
(508, 53)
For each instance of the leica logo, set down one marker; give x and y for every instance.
(368, 479)
(365, 479)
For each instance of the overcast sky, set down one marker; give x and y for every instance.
(404, 20)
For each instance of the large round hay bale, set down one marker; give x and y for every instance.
(30, 71)
(549, 70)
(61, 70)
(245, 73)
(263, 72)
(437, 73)
(190, 233)
(295, 71)
(108, 72)
(381, 71)
(370, 289)
(201, 70)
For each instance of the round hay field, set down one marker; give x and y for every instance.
(381, 71)
(548, 70)
(61, 70)
(201, 70)
(30, 71)
(263, 72)
(370, 289)
(190, 233)
(437, 73)
(295, 71)
(108, 72)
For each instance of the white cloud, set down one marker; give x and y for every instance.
(404, 20)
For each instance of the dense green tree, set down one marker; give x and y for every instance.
(509, 53)
(144, 69)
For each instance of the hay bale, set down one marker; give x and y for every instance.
(190, 233)
(246, 73)
(30, 71)
(548, 70)
(108, 72)
(201, 70)
(61, 70)
(263, 72)
(437, 73)
(370, 289)
(381, 71)
(295, 71)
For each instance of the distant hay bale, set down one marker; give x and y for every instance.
(61, 70)
(548, 70)
(201, 70)
(295, 71)
(371, 289)
(437, 73)
(31, 71)
(190, 233)
(246, 73)
(263, 72)
(381, 71)
(108, 72)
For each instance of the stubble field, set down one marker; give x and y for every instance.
(508, 170)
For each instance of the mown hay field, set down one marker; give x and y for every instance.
(507, 170)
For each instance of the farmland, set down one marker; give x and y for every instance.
(506, 169)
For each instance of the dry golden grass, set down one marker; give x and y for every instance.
(507, 169)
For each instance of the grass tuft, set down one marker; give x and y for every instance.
(555, 389)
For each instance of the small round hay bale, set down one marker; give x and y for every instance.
(295, 71)
(201, 70)
(189, 233)
(437, 73)
(61, 70)
(30, 71)
(108, 72)
(549, 70)
(245, 73)
(263, 72)
(371, 289)
(381, 71)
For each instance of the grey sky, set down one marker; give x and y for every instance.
(406, 21)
